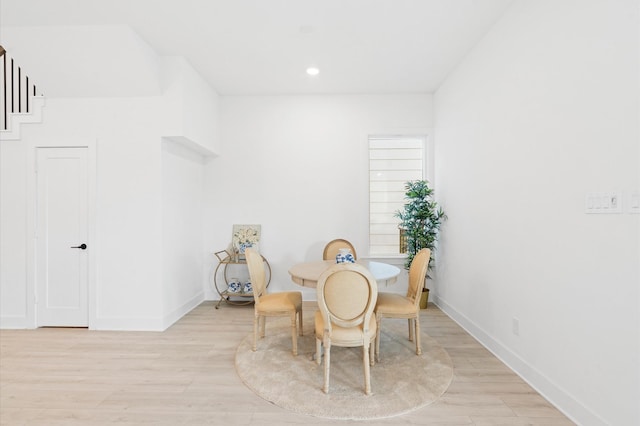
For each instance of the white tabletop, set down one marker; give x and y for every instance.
(306, 274)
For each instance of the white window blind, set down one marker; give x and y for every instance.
(393, 160)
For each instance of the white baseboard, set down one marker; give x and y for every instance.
(184, 309)
(556, 395)
(10, 323)
(122, 323)
(148, 324)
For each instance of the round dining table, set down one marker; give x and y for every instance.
(306, 274)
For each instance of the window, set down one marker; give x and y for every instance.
(393, 160)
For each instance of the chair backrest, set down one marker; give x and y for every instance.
(255, 264)
(417, 275)
(333, 247)
(347, 294)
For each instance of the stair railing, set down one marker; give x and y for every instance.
(15, 89)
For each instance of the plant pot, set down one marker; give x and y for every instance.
(424, 298)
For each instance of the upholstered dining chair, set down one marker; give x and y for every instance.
(283, 304)
(346, 294)
(333, 247)
(391, 305)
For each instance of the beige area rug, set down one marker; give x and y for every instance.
(400, 382)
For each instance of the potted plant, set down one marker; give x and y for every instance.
(420, 222)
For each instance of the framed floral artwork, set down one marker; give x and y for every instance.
(245, 236)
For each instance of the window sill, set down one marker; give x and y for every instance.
(393, 259)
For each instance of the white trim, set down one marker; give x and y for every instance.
(181, 311)
(17, 119)
(190, 145)
(559, 397)
(13, 322)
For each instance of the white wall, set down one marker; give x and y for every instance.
(13, 242)
(182, 239)
(140, 187)
(298, 165)
(542, 111)
(148, 240)
(84, 61)
(127, 234)
(190, 107)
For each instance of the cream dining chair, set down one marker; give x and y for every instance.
(282, 304)
(333, 247)
(391, 305)
(347, 294)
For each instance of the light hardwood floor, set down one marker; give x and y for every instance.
(186, 376)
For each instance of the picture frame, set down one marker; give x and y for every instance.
(245, 236)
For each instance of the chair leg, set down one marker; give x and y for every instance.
(327, 363)
(372, 352)
(365, 363)
(263, 320)
(318, 351)
(300, 321)
(410, 321)
(256, 320)
(294, 333)
(418, 346)
(377, 348)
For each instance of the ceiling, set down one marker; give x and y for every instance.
(264, 46)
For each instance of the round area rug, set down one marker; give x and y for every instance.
(400, 382)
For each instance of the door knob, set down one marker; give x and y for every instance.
(82, 246)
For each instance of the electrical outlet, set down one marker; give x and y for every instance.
(515, 326)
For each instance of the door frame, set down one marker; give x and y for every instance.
(32, 194)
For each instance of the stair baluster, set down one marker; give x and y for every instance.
(15, 88)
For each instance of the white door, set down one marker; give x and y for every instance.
(61, 237)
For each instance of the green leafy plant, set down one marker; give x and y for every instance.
(420, 219)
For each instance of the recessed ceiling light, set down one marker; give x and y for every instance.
(313, 71)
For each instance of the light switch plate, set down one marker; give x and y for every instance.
(603, 202)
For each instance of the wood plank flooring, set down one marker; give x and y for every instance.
(186, 376)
